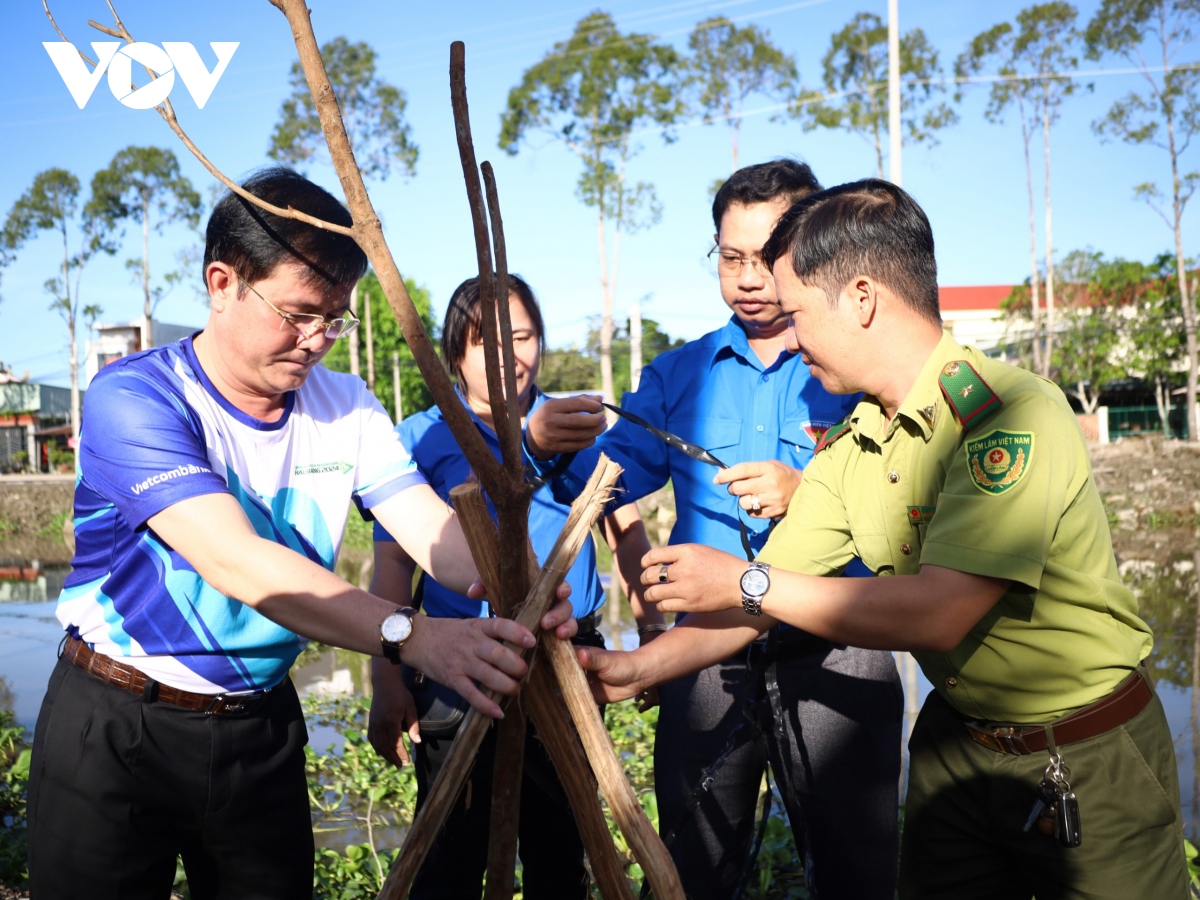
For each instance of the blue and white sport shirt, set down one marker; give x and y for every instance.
(155, 432)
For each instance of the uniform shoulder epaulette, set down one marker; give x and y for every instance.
(841, 429)
(971, 398)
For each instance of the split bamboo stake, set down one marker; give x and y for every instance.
(546, 708)
(584, 512)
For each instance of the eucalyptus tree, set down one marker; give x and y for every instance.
(993, 51)
(1028, 62)
(854, 79)
(144, 184)
(1150, 35)
(1156, 334)
(727, 66)
(373, 112)
(592, 93)
(51, 203)
(1098, 297)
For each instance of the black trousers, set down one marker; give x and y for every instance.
(120, 788)
(550, 847)
(837, 767)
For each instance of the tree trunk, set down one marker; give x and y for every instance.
(69, 315)
(147, 311)
(1035, 311)
(1186, 296)
(1048, 354)
(76, 413)
(1162, 398)
(370, 343)
(606, 321)
(635, 344)
(354, 368)
(397, 398)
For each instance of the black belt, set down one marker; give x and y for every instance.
(589, 623)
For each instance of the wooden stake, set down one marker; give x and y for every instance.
(584, 512)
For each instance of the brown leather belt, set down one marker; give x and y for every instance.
(1107, 713)
(130, 679)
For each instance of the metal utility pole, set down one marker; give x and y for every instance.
(894, 136)
(908, 665)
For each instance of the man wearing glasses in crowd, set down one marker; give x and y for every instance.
(215, 479)
(827, 717)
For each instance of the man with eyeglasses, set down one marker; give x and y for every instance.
(215, 479)
(826, 717)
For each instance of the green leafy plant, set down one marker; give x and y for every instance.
(14, 782)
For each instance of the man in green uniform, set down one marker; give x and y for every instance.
(969, 482)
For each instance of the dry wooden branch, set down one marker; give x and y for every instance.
(512, 452)
(584, 512)
(552, 721)
(507, 430)
(541, 696)
(504, 828)
(511, 495)
(647, 846)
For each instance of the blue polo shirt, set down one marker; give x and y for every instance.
(429, 440)
(714, 392)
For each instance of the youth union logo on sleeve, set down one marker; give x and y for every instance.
(999, 460)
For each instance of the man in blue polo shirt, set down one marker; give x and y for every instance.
(215, 478)
(833, 741)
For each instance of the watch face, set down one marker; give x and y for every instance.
(396, 628)
(755, 582)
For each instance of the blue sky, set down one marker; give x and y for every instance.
(972, 184)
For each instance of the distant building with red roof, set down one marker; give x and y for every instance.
(972, 314)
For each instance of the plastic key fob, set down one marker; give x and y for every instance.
(1068, 830)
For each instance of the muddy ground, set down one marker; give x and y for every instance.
(32, 517)
(1151, 489)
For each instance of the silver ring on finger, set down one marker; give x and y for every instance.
(662, 573)
(755, 505)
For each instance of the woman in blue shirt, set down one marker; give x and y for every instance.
(550, 847)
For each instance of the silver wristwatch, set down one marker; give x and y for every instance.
(755, 584)
(395, 630)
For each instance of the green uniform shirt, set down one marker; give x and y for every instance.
(1011, 497)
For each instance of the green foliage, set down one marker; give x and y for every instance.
(357, 791)
(14, 783)
(144, 184)
(372, 110)
(1139, 30)
(61, 456)
(387, 337)
(1026, 57)
(54, 528)
(854, 82)
(729, 64)
(1192, 853)
(1097, 298)
(590, 92)
(572, 369)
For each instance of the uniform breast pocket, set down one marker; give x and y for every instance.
(710, 432)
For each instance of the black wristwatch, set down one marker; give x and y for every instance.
(395, 631)
(755, 584)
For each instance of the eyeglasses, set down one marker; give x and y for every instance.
(729, 264)
(309, 325)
